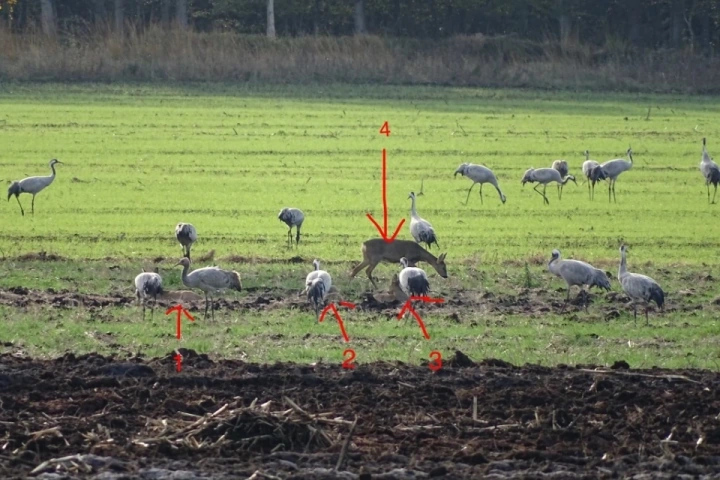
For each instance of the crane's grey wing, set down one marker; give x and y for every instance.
(600, 279)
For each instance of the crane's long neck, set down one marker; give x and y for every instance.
(52, 167)
(565, 180)
(623, 265)
(705, 155)
(552, 266)
(413, 211)
(184, 273)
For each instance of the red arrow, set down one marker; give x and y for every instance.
(409, 308)
(337, 317)
(180, 310)
(178, 361)
(384, 231)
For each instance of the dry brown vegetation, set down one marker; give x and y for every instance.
(154, 54)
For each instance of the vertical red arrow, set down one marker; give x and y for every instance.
(384, 230)
(180, 311)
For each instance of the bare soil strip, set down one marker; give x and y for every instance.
(111, 418)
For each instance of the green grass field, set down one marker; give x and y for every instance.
(138, 159)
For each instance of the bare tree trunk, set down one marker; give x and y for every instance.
(100, 12)
(181, 13)
(360, 17)
(119, 16)
(165, 13)
(688, 20)
(271, 18)
(705, 34)
(47, 17)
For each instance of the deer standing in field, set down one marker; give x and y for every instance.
(376, 250)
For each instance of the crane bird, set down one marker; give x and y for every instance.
(710, 171)
(562, 167)
(33, 185)
(148, 284)
(186, 235)
(479, 174)
(575, 272)
(543, 176)
(318, 284)
(292, 217)
(413, 280)
(209, 280)
(420, 229)
(613, 169)
(593, 172)
(640, 288)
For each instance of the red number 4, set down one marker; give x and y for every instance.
(385, 129)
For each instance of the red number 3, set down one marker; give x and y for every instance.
(436, 363)
(348, 363)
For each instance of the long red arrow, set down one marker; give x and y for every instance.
(180, 311)
(409, 308)
(338, 317)
(384, 231)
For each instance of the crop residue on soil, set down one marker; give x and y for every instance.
(132, 418)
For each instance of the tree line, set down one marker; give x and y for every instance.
(651, 24)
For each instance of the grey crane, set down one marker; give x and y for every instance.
(562, 167)
(148, 284)
(318, 284)
(413, 280)
(543, 176)
(32, 185)
(209, 280)
(640, 288)
(593, 173)
(420, 229)
(479, 174)
(292, 217)
(575, 272)
(186, 235)
(613, 169)
(710, 171)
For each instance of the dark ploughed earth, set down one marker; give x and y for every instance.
(112, 418)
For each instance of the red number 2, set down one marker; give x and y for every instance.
(348, 363)
(385, 129)
(436, 363)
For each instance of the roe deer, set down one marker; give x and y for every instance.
(376, 250)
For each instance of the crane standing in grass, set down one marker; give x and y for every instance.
(640, 288)
(148, 284)
(543, 176)
(318, 284)
(479, 174)
(186, 235)
(562, 167)
(420, 229)
(593, 172)
(209, 280)
(710, 171)
(292, 217)
(575, 272)
(32, 185)
(613, 168)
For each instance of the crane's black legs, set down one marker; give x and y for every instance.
(289, 237)
(707, 184)
(206, 306)
(470, 190)
(614, 197)
(542, 193)
(33, 205)
(22, 212)
(714, 194)
(297, 236)
(560, 189)
(589, 191)
(481, 199)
